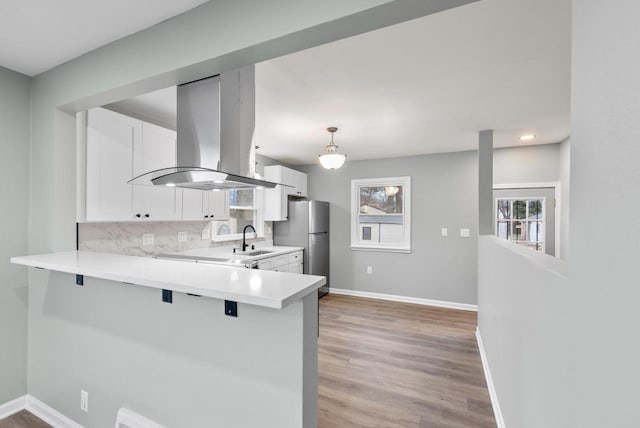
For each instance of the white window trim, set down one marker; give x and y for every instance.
(259, 226)
(356, 243)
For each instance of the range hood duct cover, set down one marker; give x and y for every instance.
(216, 119)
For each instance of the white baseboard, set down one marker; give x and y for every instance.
(13, 406)
(404, 299)
(492, 389)
(38, 408)
(49, 414)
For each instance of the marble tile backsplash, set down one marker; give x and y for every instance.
(126, 237)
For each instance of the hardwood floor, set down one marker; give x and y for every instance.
(387, 364)
(23, 419)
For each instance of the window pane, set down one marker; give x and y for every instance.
(518, 233)
(503, 209)
(519, 209)
(241, 198)
(535, 209)
(535, 232)
(503, 229)
(381, 200)
(237, 221)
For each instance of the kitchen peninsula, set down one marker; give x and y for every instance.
(258, 368)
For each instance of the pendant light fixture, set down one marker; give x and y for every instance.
(332, 159)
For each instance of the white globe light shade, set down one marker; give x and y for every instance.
(332, 160)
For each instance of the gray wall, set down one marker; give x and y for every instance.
(605, 177)
(577, 338)
(523, 319)
(527, 164)
(112, 73)
(14, 174)
(184, 364)
(444, 194)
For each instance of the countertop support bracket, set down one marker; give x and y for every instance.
(167, 296)
(80, 280)
(231, 308)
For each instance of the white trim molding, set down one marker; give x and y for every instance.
(49, 414)
(492, 389)
(39, 409)
(405, 299)
(12, 407)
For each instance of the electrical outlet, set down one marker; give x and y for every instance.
(205, 234)
(148, 239)
(84, 401)
(369, 270)
(444, 232)
(465, 233)
(182, 236)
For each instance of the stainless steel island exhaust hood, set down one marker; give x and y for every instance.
(215, 118)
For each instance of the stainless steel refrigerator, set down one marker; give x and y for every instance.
(308, 227)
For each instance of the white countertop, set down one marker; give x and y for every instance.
(251, 286)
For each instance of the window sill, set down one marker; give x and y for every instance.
(405, 250)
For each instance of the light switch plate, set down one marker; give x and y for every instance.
(182, 236)
(148, 239)
(465, 233)
(444, 232)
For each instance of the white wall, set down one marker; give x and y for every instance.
(14, 213)
(577, 338)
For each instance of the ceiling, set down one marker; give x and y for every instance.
(37, 35)
(425, 86)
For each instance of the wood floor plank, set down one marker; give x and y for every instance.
(389, 364)
(23, 419)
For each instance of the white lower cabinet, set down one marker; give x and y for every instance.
(290, 262)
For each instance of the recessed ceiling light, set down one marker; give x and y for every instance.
(170, 184)
(218, 181)
(527, 137)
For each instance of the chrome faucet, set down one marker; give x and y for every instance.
(244, 236)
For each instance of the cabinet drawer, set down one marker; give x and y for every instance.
(295, 267)
(280, 261)
(295, 257)
(265, 264)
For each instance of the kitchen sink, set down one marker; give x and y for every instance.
(258, 253)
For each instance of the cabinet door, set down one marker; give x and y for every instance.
(218, 206)
(157, 151)
(111, 138)
(275, 204)
(300, 183)
(193, 204)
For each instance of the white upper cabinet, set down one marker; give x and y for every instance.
(205, 205)
(276, 200)
(111, 139)
(119, 148)
(157, 151)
